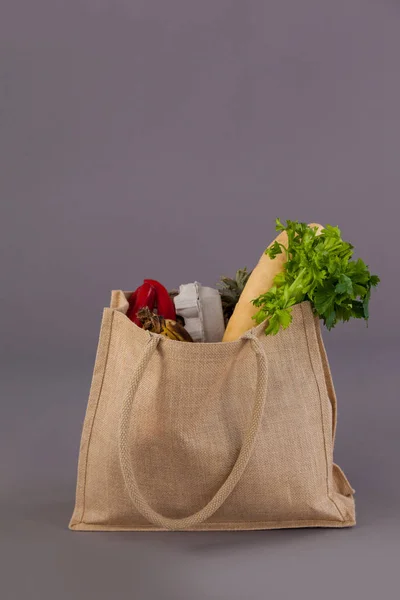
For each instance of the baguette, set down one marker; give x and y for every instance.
(259, 282)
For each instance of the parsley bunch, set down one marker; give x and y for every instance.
(319, 269)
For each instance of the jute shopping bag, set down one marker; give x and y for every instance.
(210, 436)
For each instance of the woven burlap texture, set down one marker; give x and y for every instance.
(233, 435)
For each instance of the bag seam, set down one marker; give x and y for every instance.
(328, 378)
(321, 412)
(93, 420)
(223, 524)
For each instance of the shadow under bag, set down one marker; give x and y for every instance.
(210, 436)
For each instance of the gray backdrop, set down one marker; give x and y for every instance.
(161, 139)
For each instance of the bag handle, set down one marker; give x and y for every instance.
(236, 473)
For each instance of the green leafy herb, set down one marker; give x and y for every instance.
(320, 269)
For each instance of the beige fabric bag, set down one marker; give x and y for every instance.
(234, 435)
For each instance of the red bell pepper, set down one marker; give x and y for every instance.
(145, 295)
(153, 295)
(165, 304)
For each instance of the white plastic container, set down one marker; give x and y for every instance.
(201, 308)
